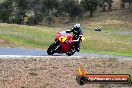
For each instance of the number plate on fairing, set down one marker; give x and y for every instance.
(63, 38)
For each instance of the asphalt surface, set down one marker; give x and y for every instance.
(20, 52)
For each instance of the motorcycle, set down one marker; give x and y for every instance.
(63, 44)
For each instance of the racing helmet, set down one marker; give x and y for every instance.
(76, 28)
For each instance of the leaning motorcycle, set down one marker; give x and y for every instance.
(63, 44)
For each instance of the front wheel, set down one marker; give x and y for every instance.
(70, 53)
(52, 48)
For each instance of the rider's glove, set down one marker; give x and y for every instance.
(68, 42)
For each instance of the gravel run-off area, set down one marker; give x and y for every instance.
(58, 72)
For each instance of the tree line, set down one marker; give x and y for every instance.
(33, 12)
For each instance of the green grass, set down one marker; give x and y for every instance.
(108, 43)
(27, 36)
(41, 37)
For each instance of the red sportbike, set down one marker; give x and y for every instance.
(63, 44)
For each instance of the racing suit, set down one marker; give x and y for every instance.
(77, 33)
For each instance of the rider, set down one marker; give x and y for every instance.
(77, 33)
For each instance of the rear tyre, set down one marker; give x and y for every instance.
(51, 50)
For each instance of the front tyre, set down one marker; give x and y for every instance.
(70, 53)
(52, 48)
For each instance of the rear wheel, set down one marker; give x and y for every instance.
(52, 48)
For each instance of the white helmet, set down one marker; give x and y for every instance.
(77, 26)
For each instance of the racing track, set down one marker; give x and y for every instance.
(20, 52)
